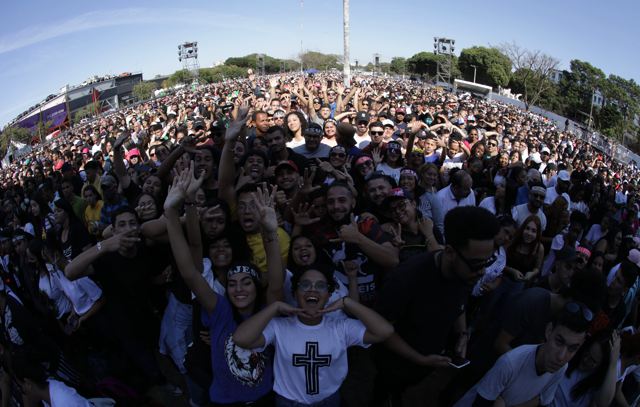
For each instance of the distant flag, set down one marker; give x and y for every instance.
(95, 99)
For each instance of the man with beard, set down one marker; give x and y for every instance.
(250, 224)
(312, 147)
(124, 267)
(425, 299)
(534, 207)
(347, 238)
(377, 188)
(278, 150)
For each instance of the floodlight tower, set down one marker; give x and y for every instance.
(446, 47)
(188, 55)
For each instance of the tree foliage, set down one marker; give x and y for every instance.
(532, 72)
(81, 113)
(426, 63)
(398, 65)
(271, 64)
(320, 61)
(493, 68)
(577, 87)
(144, 90)
(221, 72)
(14, 133)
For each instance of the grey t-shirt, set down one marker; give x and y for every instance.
(514, 379)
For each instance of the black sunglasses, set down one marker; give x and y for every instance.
(476, 264)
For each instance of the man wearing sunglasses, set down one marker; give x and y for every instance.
(530, 374)
(426, 299)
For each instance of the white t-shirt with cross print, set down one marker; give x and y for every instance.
(311, 361)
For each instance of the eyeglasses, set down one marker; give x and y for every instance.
(476, 264)
(307, 286)
(574, 308)
(492, 144)
(376, 133)
(339, 155)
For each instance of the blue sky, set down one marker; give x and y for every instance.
(45, 45)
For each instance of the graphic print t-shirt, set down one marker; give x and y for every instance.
(240, 375)
(311, 361)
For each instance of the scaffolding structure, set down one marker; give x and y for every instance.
(445, 47)
(188, 55)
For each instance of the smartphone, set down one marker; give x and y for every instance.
(458, 362)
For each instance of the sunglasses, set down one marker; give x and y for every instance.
(307, 286)
(492, 144)
(475, 264)
(339, 155)
(376, 133)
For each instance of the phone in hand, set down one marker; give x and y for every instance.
(459, 362)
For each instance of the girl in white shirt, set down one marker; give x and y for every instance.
(311, 350)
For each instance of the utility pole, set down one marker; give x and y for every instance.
(346, 63)
(474, 73)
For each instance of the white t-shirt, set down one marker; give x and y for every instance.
(362, 141)
(514, 379)
(82, 293)
(521, 212)
(390, 171)
(564, 398)
(595, 233)
(64, 396)
(50, 286)
(489, 203)
(311, 361)
(552, 195)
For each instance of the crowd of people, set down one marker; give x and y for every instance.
(292, 241)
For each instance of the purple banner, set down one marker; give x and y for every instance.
(56, 114)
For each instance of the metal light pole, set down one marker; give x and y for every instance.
(346, 64)
(474, 73)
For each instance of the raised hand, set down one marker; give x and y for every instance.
(349, 233)
(194, 183)
(302, 217)
(307, 181)
(376, 154)
(234, 129)
(120, 140)
(177, 192)
(264, 202)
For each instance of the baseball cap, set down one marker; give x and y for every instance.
(363, 159)
(289, 164)
(545, 149)
(396, 194)
(564, 175)
(634, 256)
(134, 152)
(387, 122)
(362, 117)
(400, 110)
(314, 129)
(108, 180)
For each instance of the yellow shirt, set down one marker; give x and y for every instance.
(258, 255)
(92, 216)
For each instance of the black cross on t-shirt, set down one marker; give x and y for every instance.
(312, 361)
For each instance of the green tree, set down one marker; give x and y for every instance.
(144, 90)
(271, 64)
(398, 65)
(320, 61)
(426, 64)
(578, 86)
(532, 72)
(81, 113)
(182, 76)
(221, 72)
(15, 133)
(493, 68)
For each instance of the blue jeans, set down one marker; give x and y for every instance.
(331, 401)
(175, 331)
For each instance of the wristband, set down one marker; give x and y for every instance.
(99, 246)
